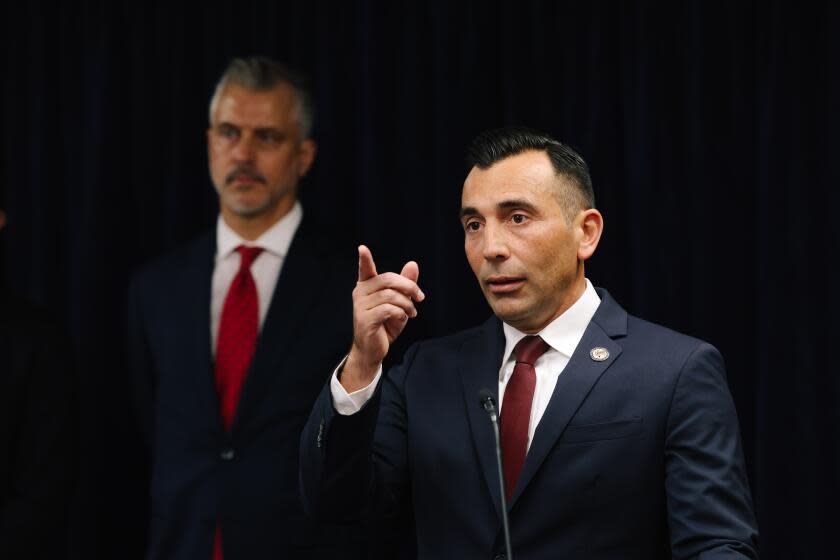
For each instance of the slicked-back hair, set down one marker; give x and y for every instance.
(260, 73)
(492, 146)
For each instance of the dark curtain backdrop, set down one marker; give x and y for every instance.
(710, 129)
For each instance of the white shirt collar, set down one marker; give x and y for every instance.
(276, 239)
(563, 333)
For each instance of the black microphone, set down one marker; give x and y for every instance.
(488, 403)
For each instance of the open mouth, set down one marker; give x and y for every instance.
(504, 284)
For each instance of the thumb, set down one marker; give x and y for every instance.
(411, 270)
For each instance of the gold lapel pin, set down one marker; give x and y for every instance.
(599, 354)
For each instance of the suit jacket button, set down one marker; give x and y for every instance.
(227, 454)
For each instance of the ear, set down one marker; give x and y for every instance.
(306, 155)
(589, 225)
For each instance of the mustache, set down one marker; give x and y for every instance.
(245, 170)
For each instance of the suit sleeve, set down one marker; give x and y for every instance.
(710, 512)
(355, 466)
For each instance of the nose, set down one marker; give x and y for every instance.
(495, 243)
(243, 150)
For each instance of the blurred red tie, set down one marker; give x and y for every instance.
(235, 345)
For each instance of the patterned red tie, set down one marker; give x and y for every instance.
(235, 345)
(516, 408)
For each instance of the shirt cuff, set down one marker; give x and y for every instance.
(350, 403)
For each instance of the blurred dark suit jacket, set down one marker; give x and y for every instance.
(248, 478)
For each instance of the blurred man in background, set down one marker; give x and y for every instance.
(233, 334)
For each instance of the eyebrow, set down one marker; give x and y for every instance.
(274, 129)
(517, 203)
(467, 211)
(503, 205)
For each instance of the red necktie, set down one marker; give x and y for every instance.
(235, 345)
(237, 335)
(516, 408)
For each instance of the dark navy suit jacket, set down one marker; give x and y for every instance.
(636, 457)
(247, 478)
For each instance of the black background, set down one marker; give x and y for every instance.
(710, 129)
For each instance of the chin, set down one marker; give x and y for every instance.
(249, 211)
(245, 209)
(510, 314)
(516, 313)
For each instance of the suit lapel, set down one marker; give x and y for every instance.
(479, 362)
(574, 384)
(293, 295)
(196, 285)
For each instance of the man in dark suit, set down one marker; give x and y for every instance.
(38, 415)
(620, 438)
(231, 336)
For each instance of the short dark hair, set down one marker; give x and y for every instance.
(494, 145)
(260, 73)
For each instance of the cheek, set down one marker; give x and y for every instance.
(216, 165)
(219, 150)
(473, 252)
(218, 160)
(560, 261)
(544, 259)
(279, 166)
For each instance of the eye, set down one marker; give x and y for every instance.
(519, 218)
(472, 225)
(269, 136)
(227, 131)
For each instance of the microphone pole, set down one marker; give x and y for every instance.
(488, 403)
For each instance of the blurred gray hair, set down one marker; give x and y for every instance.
(260, 73)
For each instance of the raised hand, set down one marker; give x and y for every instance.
(382, 304)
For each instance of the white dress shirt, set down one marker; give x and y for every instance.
(562, 336)
(265, 268)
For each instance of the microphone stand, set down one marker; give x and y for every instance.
(489, 404)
